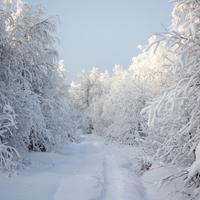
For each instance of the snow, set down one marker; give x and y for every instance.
(151, 179)
(84, 170)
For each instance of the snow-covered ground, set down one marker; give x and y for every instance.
(84, 170)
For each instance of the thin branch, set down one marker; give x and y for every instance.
(164, 27)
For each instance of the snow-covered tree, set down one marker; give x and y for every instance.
(31, 84)
(149, 66)
(88, 88)
(174, 116)
(85, 93)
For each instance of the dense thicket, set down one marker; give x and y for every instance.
(110, 106)
(34, 101)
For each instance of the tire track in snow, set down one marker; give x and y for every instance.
(120, 183)
(113, 186)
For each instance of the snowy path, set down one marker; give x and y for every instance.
(85, 170)
(113, 187)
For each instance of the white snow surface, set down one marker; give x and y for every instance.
(84, 170)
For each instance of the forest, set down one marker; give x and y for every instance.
(153, 105)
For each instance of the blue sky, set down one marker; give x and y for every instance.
(102, 33)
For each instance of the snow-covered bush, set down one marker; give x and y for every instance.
(141, 164)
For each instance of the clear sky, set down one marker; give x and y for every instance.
(102, 33)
